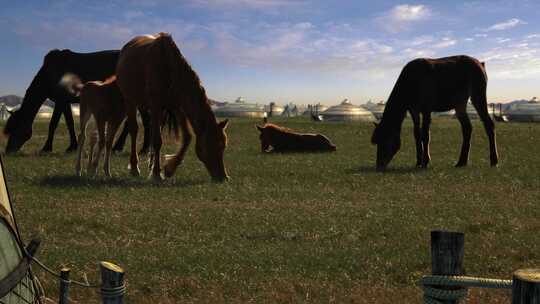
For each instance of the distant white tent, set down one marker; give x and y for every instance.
(4, 114)
(346, 111)
(524, 112)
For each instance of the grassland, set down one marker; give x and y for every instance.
(288, 228)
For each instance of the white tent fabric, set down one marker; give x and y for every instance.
(11, 254)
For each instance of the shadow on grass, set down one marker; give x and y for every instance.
(389, 170)
(61, 181)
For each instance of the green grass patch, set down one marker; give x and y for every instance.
(287, 228)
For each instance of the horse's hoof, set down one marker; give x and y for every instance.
(460, 165)
(45, 151)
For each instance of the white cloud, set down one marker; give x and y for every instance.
(256, 4)
(444, 43)
(400, 17)
(513, 61)
(505, 25)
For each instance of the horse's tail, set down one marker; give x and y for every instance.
(72, 83)
(171, 122)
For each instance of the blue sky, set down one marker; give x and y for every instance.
(287, 50)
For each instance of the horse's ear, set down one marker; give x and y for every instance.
(483, 64)
(259, 128)
(223, 125)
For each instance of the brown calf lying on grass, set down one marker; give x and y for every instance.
(285, 140)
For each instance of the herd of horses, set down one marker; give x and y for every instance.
(150, 75)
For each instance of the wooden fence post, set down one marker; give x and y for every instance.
(526, 286)
(64, 286)
(447, 249)
(112, 283)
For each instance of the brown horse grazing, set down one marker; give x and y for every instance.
(103, 101)
(434, 85)
(152, 72)
(285, 140)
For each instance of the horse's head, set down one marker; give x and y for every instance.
(17, 131)
(264, 138)
(210, 147)
(388, 144)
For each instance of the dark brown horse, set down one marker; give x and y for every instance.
(153, 73)
(57, 63)
(434, 85)
(285, 140)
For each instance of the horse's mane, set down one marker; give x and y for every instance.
(181, 70)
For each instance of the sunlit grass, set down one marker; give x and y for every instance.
(321, 227)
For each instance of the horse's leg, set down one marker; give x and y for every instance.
(101, 144)
(85, 116)
(132, 126)
(417, 137)
(426, 122)
(480, 104)
(57, 112)
(121, 141)
(155, 125)
(68, 115)
(145, 117)
(91, 151)
(172, 163)
(466, 130)
(112, 127)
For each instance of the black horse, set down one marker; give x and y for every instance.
(46, 84)
(434, 85)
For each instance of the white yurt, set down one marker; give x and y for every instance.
(274, 108)
(346, 111)
(524, 112)
(240, 108)
(445, 114)
(4, 114)
(377, 109)
(45, 112)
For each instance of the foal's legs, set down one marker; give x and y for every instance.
(101, 144)
(426, 121)
(417, 137)
(466, 130)
(172, 163)
(112, 127)
(480, 104)
(85, 116)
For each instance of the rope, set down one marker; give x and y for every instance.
(108, 292)
(434, 295)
